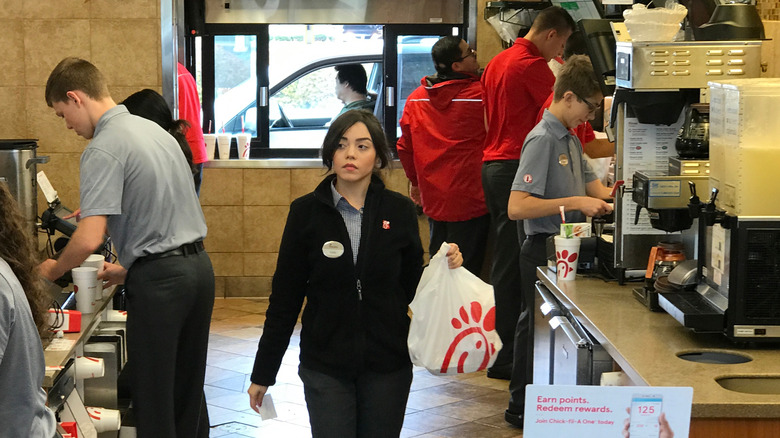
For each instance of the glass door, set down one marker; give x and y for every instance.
(407, 61)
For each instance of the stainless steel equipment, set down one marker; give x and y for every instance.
(18, 166)
(564, 352)
(679, 166)
(656, 82)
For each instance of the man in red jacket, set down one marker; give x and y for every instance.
(442, 136)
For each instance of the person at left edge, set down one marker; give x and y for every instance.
(136, 186)
(352, 250)
(442, 136)
(23, 316)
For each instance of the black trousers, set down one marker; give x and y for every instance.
(372, 405)
(471, 237)
(532, 254)
(497, 178)
(169, 304)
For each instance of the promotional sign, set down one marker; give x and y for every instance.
(607, 411)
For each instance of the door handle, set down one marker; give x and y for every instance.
(550, 304)
(569, 330)
(389, 96)
(263, 98)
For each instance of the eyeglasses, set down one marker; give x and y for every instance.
(472, 52)
(592, 107)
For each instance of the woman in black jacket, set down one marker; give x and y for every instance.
(352, 249)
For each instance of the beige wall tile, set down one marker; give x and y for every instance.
(126, 64)
(219, 287)
(11, 8)
(14, 124)
(227, 264)
(770, 50)
(38, 9)
(12, 61)
(52, 133)
(267, 186)
(261, 264)
(247, 286)
(222, 187)
(125, 9)
(63, 173)
(226, 227)
(395, 179)
(304, 181)
(47, 42)
(263, 228)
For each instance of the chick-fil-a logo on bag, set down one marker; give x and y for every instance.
(477, 326)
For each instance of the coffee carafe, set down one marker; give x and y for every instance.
(694, 139)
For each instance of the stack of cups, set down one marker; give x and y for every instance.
(243, 140)
(85, 286)
(211, 145)
(104, 420)
(223, 144)
(89, 367)
(96, 261)
(567, 251)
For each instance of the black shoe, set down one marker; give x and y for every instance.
(503, 372)
(513, 419)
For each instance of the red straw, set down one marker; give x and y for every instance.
(242, 123)
(563, 217)
(209, 127)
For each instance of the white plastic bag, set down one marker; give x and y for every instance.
(453, 329)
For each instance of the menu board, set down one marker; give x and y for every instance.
(646, 147)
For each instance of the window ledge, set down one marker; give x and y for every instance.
(278, 163)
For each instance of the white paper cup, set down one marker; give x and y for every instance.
(567, 252)
(211, 145)
(243, 141)
(223, 145)
(85, 287)
(94, 261)
(104, 420)
(89, 367)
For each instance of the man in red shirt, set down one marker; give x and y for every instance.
(516, 83)
(189, 110)
(442, 136)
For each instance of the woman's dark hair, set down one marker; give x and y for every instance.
(444, 52)
(17, 248)
(150, 105)
(342, 124)
(354, 75)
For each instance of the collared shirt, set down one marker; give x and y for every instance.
(517, 81)
(552, 166)
(353, 219)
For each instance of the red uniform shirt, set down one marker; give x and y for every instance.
(584, 131)
(516, 82)
(442, 136)
(189, 110)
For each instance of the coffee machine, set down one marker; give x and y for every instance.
(18, 165)
(734, 288)
(657, 85)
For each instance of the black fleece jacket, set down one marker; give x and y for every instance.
(355, 317)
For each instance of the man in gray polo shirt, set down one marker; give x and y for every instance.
(136, 186)
(552, 173)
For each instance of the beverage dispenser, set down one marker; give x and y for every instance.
(18, 167)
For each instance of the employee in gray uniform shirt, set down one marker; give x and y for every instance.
(135, 184)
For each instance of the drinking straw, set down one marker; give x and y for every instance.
(209, 131)
(563, 217)
(242, 123)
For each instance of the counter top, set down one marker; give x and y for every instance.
(89, 321)
(645, 344)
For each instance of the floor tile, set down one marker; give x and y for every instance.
(469, 405)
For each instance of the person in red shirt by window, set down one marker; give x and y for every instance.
(189, 110)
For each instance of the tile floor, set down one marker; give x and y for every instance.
(470, 405)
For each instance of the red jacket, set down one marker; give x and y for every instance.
(442, 136)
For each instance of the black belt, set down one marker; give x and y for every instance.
(184, 250)
(540, 236)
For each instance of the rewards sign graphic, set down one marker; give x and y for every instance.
(471, 339)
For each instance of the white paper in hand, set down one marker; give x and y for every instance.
(267, 411)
